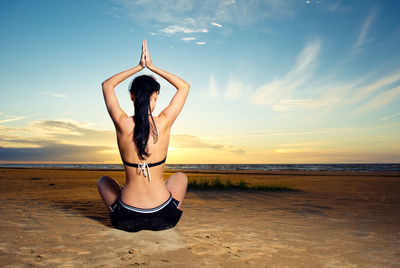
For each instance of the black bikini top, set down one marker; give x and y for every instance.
(126, 163)
(142, 166)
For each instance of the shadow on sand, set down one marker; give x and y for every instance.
(88, 208)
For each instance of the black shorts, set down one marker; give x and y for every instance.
(132, 219)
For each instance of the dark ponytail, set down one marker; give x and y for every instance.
(142, 88)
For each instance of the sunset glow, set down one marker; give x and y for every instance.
(271, 81)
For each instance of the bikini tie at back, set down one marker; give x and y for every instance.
(144, 167)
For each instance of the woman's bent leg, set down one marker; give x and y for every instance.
(109, 190)
(177, 185)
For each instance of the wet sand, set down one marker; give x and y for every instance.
(55, 218)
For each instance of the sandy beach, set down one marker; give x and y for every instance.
(55, 218)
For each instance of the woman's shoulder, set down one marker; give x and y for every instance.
(126, 124)
(162, 123)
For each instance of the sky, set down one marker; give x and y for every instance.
(271, 81)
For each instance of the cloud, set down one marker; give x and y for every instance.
(390, 117)
(71, 141)
(189, 141)
(73, 132)
(234, 88)
(201, 43)
(173, 29)
(12, 119)
(301, 89)
(189, 16)
(213, 87)
(381, 83)
(161, 11)
(364, 30)
(337, 7)
(306, 59)
(57, 140)
(381, 100)
(54, 94)
(239, 151)
(55, 152)
(186, 39)
(277, 91)
(246, 13)
(238, 12)
(303, 104)
(216, 24)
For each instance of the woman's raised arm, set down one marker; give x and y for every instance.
(175, 107)
(115, 111)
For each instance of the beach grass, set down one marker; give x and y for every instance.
(218, 184)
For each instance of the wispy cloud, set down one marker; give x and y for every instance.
(195, 142)
(381, 100)
(381, 83)
(337, 7)
(173, 29)
(159, 11)
(190, 141)
(54, 94)
(301, 89)
(299, 147)
(275, 93)
(201, 43)
(234, 88)
(190, 16)
(363, 35)
(213, 87)
(12, 119)
(390, 117)
(186, 39)
(303, 104)
(216, 24)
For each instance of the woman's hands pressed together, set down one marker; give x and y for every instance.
(149, 63)
(145, 59)
(142, 57)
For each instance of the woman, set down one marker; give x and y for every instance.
(146, 201)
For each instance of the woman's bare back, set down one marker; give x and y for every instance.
(139, 191)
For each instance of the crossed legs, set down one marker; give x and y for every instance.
(177, 184)
(109, 190)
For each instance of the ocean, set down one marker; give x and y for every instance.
(235, 167)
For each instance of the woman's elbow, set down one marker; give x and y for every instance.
(106, 85)
(187, 86)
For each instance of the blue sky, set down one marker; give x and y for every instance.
(271, 81)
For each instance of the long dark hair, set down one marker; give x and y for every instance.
(142, 88)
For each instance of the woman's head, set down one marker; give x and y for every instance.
(143, 86)
(142, 89)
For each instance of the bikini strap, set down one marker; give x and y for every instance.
(143, 166)
(150, 165)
